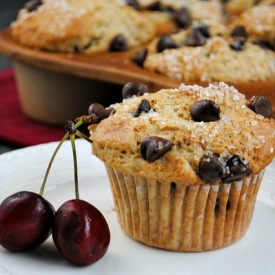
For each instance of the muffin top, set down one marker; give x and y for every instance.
(259, 22)
(189, 135)
(202, 52)
(81, 26)
(197, 9)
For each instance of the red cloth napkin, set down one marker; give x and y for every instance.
(15, 127)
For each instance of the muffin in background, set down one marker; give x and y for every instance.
(81, 26)
(185, 164)
(183, 13)
(259, 22)
(209, 51)
(169, 16)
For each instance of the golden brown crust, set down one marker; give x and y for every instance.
(90, 26)
(259, 23)
(215, 60)
(116, 140)
(198, 11)
(82, 26)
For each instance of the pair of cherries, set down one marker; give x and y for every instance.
(79, 230)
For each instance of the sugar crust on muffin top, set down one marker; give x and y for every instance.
(80, 26)
(238, 131)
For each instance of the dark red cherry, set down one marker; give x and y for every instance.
(26, 220)
(80, 232)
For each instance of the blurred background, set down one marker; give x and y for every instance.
(16, 129)
(8, 13)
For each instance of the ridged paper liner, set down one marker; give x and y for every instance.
(183, 218)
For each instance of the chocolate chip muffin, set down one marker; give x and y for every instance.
(209, 52)
(183, 13)
(81, 26)
(169, 16)
(185, 164)
(259, 23)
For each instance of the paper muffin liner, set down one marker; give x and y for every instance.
(183, 218)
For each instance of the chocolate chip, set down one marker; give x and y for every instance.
(76, 49)
(261, 105)
(173, 186)
(134, 4)
(265, 45)
(166, 42)
(152, 148)
(237, 169)
(237, 44)
(239, 31)
(88, 45)
(212, 168)
(205, 110)
(155, 6)
(119, 44)
(227, 206)
(182, 17)
(98, 112)
(217, 206)
(204, 30)
(144, 106)
(140, 56)
(195, 38)
(134, 88)
(33, 5)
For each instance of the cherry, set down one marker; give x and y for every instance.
(26, 220)
(80, 232)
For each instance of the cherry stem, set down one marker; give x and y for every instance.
(71, 129)
(51, 162)
(72, 138)
(81, 135)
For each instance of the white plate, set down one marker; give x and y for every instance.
(24, 170)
